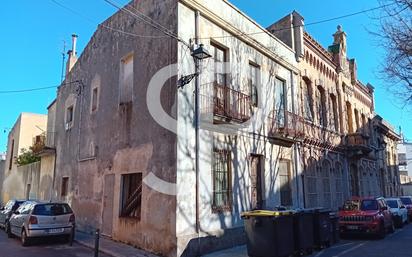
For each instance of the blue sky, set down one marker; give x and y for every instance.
(33, 34)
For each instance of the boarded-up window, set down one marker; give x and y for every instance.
(221, 180)
(95, 98)
(285, 183)
(131, 195)
(126, 80)
(65, 186)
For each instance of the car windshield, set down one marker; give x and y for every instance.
(369, 205)
(406, 200)
(392, 203)
(351, 205)
(51, 209)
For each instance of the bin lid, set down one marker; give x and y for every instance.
(266, 213)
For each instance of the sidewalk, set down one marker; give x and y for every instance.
(239, 251)
(110, 247)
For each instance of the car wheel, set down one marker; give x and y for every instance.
(24, 239)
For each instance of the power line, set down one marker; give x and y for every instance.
(148, 21)
(92, 21)
(305, 25)
(37, 88)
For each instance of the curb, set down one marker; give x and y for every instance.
(91, 246)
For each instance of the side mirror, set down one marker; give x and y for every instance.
(16, 212)
(402, 207)
(384, 208)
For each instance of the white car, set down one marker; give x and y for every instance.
(398, 210)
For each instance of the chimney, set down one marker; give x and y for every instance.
(72, 55)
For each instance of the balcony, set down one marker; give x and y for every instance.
(44, 144)
(226, 104)
(358, 144)
(285, 127)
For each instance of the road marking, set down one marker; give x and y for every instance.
(349, 250)
(338, 246)
(396, 232)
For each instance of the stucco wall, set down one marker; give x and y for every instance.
(27, 126)
(225, 229)
(120, 139)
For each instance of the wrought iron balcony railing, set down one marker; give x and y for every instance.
(286, 124)
(226, 103)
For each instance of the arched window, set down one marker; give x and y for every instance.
(325, 186)
(349, 117)
(334, 122)
(308, 100)
(322, 114)
(338, 175)
(311, 194)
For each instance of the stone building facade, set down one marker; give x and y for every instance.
(341, 146)
(282, 121)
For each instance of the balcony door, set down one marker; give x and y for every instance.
(220, 79)
(280, 103)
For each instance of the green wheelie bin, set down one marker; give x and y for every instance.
(269, 233)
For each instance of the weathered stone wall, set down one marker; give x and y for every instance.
(118, 138)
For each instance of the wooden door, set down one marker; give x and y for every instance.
(108, 190)
(256, 182)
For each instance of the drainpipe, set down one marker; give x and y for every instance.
(54, 171)
(197, 85)
(295, 146)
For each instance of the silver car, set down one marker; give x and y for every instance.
(38, 219)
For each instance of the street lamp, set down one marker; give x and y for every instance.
(201, 53)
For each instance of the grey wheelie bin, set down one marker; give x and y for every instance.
(304, 231)
(321, 228)
(269, 233)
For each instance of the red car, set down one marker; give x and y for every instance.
(407, 201)
(366, 215)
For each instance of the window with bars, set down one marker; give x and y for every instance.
(338, 184)
(221, 170)
(254, 75)
(131, 195)
(285, 183)
(310, 184)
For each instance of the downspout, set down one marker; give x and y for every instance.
(54, 171)
(197, 85)
(295, 154)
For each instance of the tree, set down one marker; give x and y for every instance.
(26, 157)
(396, 38)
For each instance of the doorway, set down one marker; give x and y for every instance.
(107, 219)
(256, 177)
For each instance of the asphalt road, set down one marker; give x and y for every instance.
(397, 244)
(11, 247)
